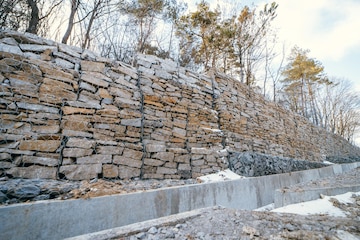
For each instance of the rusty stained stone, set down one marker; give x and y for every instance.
(74, 110)
(110, 171)
(40, 145)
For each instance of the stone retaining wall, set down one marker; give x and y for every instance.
(69, 113)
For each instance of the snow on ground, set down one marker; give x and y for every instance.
(328, 163)
(319, 206)
(219, 176)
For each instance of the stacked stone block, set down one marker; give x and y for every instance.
(68, 113)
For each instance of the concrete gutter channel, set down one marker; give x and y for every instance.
(58, 219)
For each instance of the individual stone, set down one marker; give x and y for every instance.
(89, 99)
(133, 154)
(3, 197)
(81, 172)
(128, 172)
(164, 156)
(182, 158)
(155, 148)
(164, 170)
(5, 156)
(40, 145)
(87, 86)
(163, 74)
(131, 122)
(40, 160)
(36, 48)
(75, 124)
(33, 172)
(200, 162)
(103, 93)
(64, 64)
(201, 151)
(114, 150)
(6, 165)
(153, 162)
(92, 66)
(184, 167)
(127, 70)
(25, 192)
(80, 143)
(118, 92)
(98, 158)
(96, 79)
(91, 105)
(157, 104)
(74, 110)
(46, 129)
(10, 49)
(76, 152)
(70, 50)
(56, 91)
(37, 107)
(110, 171)
(179, 132)
(126, 103)
(127, 161)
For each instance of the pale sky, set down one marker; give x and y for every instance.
(330, 29)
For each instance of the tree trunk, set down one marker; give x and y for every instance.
(74, 7)
(86, 42)
(34, 20)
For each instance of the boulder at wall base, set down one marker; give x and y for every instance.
(251, 164)
(25, 192)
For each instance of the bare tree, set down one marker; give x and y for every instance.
(340, 112)
(74, 7)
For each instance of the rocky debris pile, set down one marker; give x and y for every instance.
(28, 190)
(251, 164)
(23, 190)
(220, 223)
(343, 159)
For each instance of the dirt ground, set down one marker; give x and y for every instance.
(220, 223)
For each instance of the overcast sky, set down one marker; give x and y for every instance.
(330, 29)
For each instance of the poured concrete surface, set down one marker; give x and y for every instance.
(61, 219)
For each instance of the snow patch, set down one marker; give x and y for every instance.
(219, 176)
(328, 163)
(320, 206)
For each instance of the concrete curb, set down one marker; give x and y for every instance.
(282, 198)
(62, 219)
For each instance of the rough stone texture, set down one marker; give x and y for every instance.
(80, 172)
(65, 107)
(255, 164)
